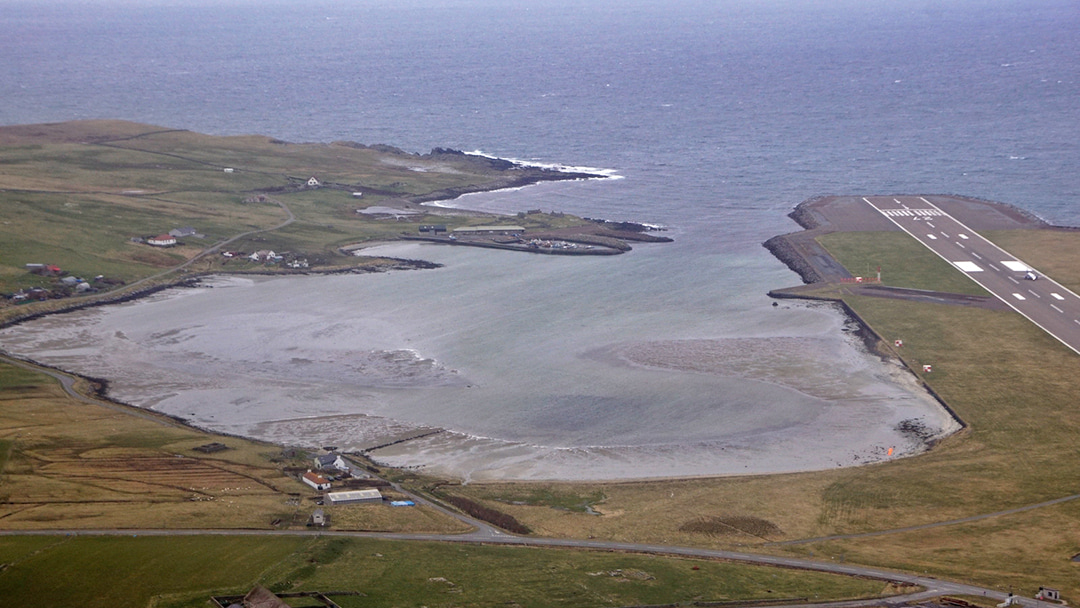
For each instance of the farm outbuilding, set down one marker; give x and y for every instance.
(316, 481)
(354, 497)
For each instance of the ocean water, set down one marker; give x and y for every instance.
(718, 117)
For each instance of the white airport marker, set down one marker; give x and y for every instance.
(963, 236)
(1016, 265)
(1056, 308)
(1057, 296)
(931, 237)
(968, 266)
(1019, 297)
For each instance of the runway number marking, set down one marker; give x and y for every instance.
(1019, 297)
(1057, 296)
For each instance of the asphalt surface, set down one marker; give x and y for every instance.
(1043, 301)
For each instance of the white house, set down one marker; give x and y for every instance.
(316, 481)
(331, 461)
(162, 240)
(313, 182)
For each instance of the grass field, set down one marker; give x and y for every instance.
(186, 571)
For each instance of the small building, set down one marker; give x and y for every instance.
(318, 518)
(264, 255)
(352, 497)
(314, 183)
(316, 481)
(1048, 594)
(210, 448)
(433, 229)
(357, 194)
(182, 232)
(162, 240)
(229, 169)
(331, 461)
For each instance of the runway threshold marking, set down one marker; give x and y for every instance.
(1071, 347)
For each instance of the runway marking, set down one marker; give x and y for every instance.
(914, 213)
(944, 235)
(1057, 296)
(976, 256)
(963, 236)
(1056, 308)
(1016, 265)
(1034, 294)
(1013, 280)
(931, 237)
(962, 228)
(959, 245)
(929, 224)
(1019, 297)
(968, 266)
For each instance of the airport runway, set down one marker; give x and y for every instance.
(1023, 288)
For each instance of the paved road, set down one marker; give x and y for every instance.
(1043, 301)
(932, 587)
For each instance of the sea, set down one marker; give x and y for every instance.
(711, 120)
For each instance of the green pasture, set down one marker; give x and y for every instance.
(186, 570)
(904, 261)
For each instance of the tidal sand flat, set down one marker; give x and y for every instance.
(506, 366)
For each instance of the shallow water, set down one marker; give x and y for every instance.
(539, 366)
